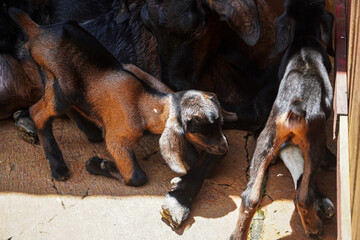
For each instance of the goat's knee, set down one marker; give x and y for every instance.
(126, 162)
(250, 198)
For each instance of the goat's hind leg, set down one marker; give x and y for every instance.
(42, 114)
(91, 130)
(305, 195)
(294, 161)
(323, 206)
(265, 151)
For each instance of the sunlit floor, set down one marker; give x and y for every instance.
(33, 206)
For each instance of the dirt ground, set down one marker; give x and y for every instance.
(33, 206)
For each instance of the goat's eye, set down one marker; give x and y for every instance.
(197, 118)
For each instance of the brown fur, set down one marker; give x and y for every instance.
(81, 76)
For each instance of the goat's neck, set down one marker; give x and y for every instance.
(156, 111)
(306, 30)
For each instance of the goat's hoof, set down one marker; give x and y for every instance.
(98, 166)
(173, 213)
(137, 179)
(324, 208)
(60, 173)
(25, 126)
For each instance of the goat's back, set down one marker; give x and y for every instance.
(306, 79)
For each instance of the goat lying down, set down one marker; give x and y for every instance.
(295, 129)
(83, 80)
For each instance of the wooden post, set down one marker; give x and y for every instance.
(341, 123)
(354, 114)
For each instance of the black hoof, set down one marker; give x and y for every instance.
(60, 173)
(324, 208)
(25, 127)
(98, 166)
(138, 179)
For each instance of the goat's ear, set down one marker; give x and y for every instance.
(283, 34)
(123, 14)
(28, 26)
(327, 20)
(229, 116)
(172, 145)
(241, 15)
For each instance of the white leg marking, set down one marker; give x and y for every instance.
(177, 212)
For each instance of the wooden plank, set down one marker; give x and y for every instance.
(353, 97)
(340, 104)
(341, 122)
(343, 180)
(354, 115)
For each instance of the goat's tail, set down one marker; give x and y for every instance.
(28, 26)
(147, 78)
(297, 112)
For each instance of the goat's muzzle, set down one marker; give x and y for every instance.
(218, 149)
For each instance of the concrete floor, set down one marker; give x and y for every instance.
(33, 206)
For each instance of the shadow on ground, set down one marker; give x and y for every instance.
(93, 207)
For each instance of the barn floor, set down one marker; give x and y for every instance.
(33, 206)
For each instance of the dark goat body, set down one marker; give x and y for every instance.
(126, 38)
(215, 56)
(196, 58)
(80, 10)
(295, 129)
(20, 85)
(199, 50)
(19, 80)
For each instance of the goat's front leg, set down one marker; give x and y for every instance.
(264, 153)
(125, 167)
(41, 113)
(177, 204)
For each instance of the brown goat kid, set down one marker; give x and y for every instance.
(83, 80)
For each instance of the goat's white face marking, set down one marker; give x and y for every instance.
(155, 110)
(294, 161)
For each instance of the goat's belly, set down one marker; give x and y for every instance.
(293, 160)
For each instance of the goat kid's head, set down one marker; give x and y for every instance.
(197, 117)
(189, 31)
(306, 16)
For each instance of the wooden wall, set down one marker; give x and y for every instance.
(354, 114)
